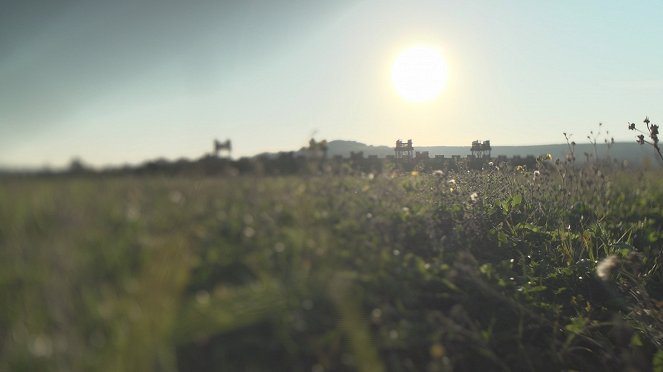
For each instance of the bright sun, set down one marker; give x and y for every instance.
(419, 74)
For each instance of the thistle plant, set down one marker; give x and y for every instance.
(652, 134)
(594, 137)
(571, 156)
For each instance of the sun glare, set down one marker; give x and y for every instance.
(419, 74)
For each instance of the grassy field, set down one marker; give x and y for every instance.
(480, 270)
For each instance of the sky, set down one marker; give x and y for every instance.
(124, 81)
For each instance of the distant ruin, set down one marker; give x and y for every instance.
(403, 151)
(405, 158)
(223, 146)
(480, 149)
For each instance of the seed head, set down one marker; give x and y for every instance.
(607, 267)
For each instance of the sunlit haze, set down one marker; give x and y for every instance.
(116, 82)
(419, 74)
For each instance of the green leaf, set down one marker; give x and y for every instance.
(486, 269)
(538, 288)
(576, 326)
(516, 200)
(506, 206)
(635, 340)
(657, 362)
(502, 238)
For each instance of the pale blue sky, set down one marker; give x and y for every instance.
(125, 81)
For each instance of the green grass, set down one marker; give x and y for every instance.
(372, 273)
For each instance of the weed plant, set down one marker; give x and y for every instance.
(457, 270)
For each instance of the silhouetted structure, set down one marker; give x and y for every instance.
(422, 155)
(404, 151)
(219, 146)
(317, 150)
(481, 149)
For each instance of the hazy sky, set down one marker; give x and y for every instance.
(128, 80)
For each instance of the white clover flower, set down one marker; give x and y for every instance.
(474, 196)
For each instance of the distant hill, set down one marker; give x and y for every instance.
(343, 148)
(621, 150)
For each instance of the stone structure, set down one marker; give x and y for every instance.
(404, 151)
(222, 146)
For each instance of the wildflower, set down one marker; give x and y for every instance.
(631, 126)
(438, 173)
(437, 351)
(133, 213)
(202, 297)
(646, 121)
(536, 174)
(376, 315)
(474, 196)
(654, 130)
(249, 232)
(42, 346)
(279, 247)
(520, 168)
(176, 197)
(641, 139)
(606, 268)
(451, 181)
(414, 173)
(490, 163)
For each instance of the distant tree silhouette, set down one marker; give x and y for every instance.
(76, 166)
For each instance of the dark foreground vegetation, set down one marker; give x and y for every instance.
(467, 271)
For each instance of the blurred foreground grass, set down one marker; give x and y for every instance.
(490, 270)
